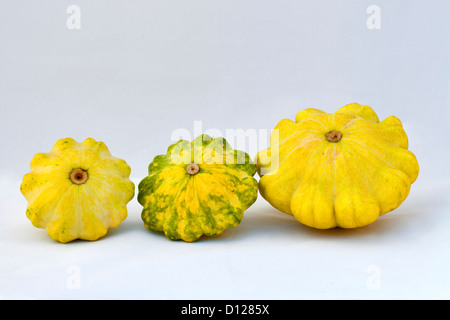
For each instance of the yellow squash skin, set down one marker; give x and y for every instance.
(186, 204)
(347, 183)
(68, 210)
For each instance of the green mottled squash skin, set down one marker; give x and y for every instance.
(198, 188)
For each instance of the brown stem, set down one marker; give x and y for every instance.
(79, 176)
(192, 168)
(333, 136)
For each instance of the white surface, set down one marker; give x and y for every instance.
(268, 256)
(138, 70)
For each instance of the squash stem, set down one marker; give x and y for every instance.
(333, 136)
(192, 168)
(79, 176)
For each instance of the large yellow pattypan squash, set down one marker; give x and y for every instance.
(77, 191)
(337, 170)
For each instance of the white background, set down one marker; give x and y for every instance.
(138, 70)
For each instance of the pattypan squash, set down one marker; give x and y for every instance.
(77, 191)
(337, 170)
(198, 188)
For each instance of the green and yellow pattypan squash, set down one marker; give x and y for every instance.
(337, 170)
(198, 188)
(77, 191)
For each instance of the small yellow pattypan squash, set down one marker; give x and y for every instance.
(337, 170)
(77, 191)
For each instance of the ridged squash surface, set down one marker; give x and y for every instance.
(337, 170)
(198, 188)
(77, 191)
